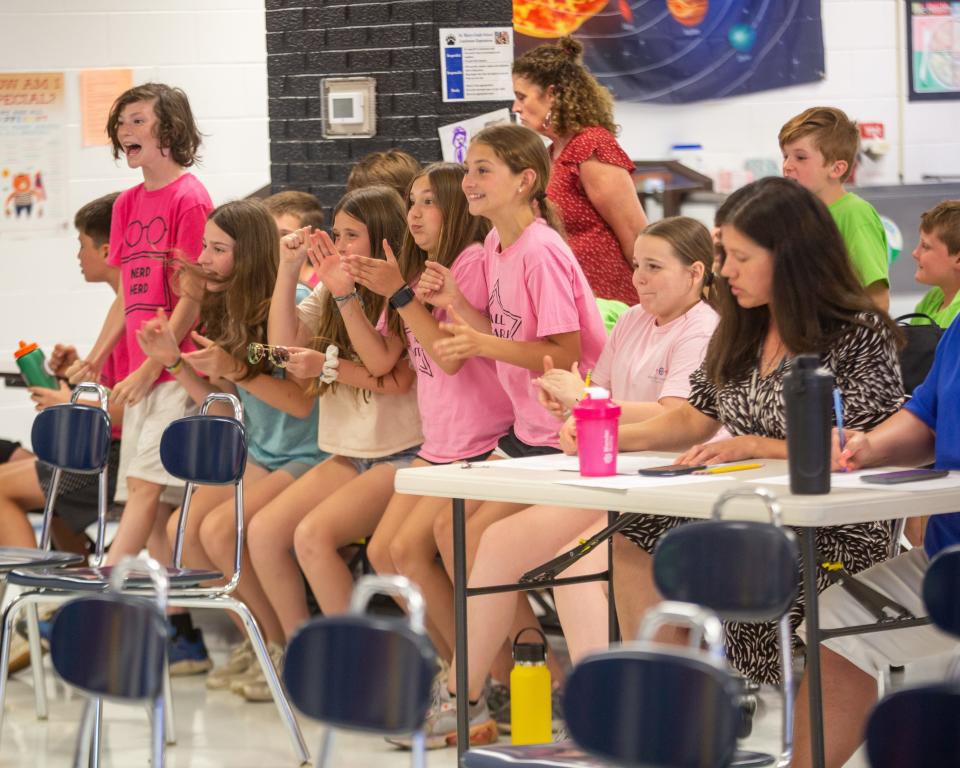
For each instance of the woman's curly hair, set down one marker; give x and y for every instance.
(579, 100)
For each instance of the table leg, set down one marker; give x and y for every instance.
(612, 624)
(460, 619)
(812, 620)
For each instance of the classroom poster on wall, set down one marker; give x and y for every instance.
(475, 63)
(933, 49)
(33, 158)
(680, 51)
(454, 137)
(99, 88)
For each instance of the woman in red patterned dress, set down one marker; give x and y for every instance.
(590, 181)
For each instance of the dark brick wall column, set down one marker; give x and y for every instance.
(395, 42)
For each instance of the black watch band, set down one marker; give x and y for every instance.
(402, 297)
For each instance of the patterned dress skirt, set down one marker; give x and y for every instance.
(753, 649)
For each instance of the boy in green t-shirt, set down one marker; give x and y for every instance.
(938, 263)
(819, 149)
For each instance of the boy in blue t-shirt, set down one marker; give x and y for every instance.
(926, 429)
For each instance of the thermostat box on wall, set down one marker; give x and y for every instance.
(349, 107)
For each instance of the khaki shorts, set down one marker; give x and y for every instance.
(143, 426)
(900, 579)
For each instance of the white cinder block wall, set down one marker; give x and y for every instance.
(864, 50)
(214, 49)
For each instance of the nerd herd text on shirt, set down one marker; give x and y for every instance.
(146, 266)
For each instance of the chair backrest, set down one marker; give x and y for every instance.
(111, 645)
(73, 437)
(743, 571)
(209, 450)
(361, 672)
(646, 704)
(941, 590)
(916, 728)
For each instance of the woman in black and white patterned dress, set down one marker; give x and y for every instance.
(787, 288)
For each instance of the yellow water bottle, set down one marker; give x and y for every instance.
(530, 712)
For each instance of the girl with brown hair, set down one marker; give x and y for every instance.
(368, 418)
(236, 269)
(463, 409)
(590, 184)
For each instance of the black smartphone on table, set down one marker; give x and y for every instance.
(671, 470)
(904, 476)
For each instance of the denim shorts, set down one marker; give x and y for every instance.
(399, 460)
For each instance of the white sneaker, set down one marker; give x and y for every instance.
(238, 663)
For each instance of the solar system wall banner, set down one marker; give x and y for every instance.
(679, 51)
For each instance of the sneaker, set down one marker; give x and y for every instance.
(44, 623)
(237, 664)
(441, 726)
(254, 687)
(556, 710)
(498, 700)
(19, 653)
(188, 655)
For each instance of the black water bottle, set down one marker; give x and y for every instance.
(808, 394)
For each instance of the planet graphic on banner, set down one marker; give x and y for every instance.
(742, 37)
(556, 18)
(690, 13)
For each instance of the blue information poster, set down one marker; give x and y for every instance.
(678, 51)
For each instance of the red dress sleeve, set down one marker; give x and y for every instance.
(599, 142)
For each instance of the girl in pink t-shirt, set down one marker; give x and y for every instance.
(538, 304)
(463, 409)
(646, 364)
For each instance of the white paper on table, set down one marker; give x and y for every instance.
(558, 462)
(851, 480)
(629, 482)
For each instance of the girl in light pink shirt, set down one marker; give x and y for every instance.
(647, 362)
(464, 410)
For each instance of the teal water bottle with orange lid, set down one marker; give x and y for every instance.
(31, 362)
(530, 689)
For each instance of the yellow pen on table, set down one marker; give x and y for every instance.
(727, 468)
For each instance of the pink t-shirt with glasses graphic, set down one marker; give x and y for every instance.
(537, 289)
(150, 231)
(466, 414)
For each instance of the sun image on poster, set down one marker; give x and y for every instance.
(933, 41)
(677, 51)
(32, 153)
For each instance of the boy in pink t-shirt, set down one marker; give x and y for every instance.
(154, 224)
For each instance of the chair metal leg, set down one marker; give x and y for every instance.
(170, 727)
(96, 734)
(786, 691)
(81, 754)
(157, 736)
(326, 747)
(9, 616)
(36, 661)
(263, 657)
(418, 758)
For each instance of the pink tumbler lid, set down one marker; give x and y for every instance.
(596, 404)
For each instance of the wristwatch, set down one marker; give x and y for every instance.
(402, 297)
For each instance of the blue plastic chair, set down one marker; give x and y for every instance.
(365, 673)
(743, 571)
(114, 646)
(199, 450)
(644, 704)
(70, 437)
(918, 726)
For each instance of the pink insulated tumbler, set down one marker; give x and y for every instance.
(597, 419)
